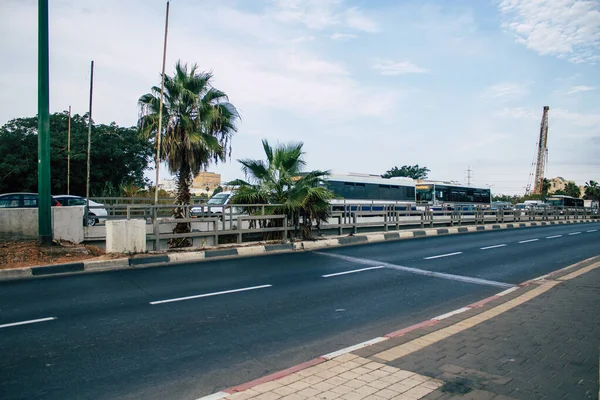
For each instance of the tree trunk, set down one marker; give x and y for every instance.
(184, 181)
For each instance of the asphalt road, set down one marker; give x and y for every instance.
(136, 334)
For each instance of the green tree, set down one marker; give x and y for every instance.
(299, 195)
(592, 191)
(217, 190)
(118, 155)
(410, 171)
(559, 192)
(571, 189)
(197, 127)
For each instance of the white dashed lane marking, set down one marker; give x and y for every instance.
(493, 247)
(529, 241)
(443, 255)
(553, 237)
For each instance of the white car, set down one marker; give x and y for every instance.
(96, 214)
(214, 206)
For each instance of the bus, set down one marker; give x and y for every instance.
(352, 189)
(438, 194)
(560, 201)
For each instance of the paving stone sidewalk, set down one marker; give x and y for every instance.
(539, 342)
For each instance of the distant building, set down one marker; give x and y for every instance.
(205, 182)
(560, 183)
(170, 185)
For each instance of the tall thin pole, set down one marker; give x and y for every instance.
(44, 199)
(160, 107)
(69, 153)
(89, 146)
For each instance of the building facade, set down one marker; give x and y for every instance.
(560, 183)
(205, 182)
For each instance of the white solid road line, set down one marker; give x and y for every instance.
(528, 241)
(355, 347)
(31, 321)
(592, 230)
(418, 271)
(451, 313)
(443, 255)
(199, 296)
(215, 396)
(553, 237)
(574, 233)
(351, 272)
(492, 247)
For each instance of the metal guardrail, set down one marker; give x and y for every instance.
(244, 222)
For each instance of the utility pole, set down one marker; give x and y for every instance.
(44, 199)
(69, 153)
(89, 145)
(160, 107)
(469, 170)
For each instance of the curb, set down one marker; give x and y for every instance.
(425, 324)
(256, 250)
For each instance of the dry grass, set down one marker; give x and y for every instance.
(17, 254)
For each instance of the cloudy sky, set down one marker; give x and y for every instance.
(365, 84)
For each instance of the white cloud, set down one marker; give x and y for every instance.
(343, 36)
(356, 19)
(584, 120)
(321, 14)
(565, 28)
(388, 67)
(505, 91)
(518, 113)
(579, 89)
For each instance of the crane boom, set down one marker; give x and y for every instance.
(540, 165)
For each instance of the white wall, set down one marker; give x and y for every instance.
(22, 223)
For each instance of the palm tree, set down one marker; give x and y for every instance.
(592, 191)
(571, 189)
(280, 180)
(546, 185)
(197, 125)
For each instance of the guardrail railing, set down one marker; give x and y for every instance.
(216, 224)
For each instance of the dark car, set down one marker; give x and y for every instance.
(22, 200)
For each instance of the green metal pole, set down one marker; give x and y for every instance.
(44, 199)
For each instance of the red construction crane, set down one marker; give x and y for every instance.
(542, 154)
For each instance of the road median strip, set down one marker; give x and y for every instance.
(172, 258)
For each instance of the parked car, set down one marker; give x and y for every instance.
(214, 205)
(96, 213)
(22, 200)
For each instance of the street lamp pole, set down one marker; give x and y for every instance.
(160, 107)
(44, 199)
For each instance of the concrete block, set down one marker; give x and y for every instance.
(15, 273)
(67, 223)
(406, 235)
(431, 232)
(22, 223)
(186, 257)
(250, 250)
(126, 236)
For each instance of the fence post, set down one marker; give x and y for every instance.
(285, 228)
(239, 235)
(156, 228)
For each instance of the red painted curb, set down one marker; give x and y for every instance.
(274, 376)
(481, 303)
(423, 324)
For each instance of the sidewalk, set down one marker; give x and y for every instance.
(540, 341)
